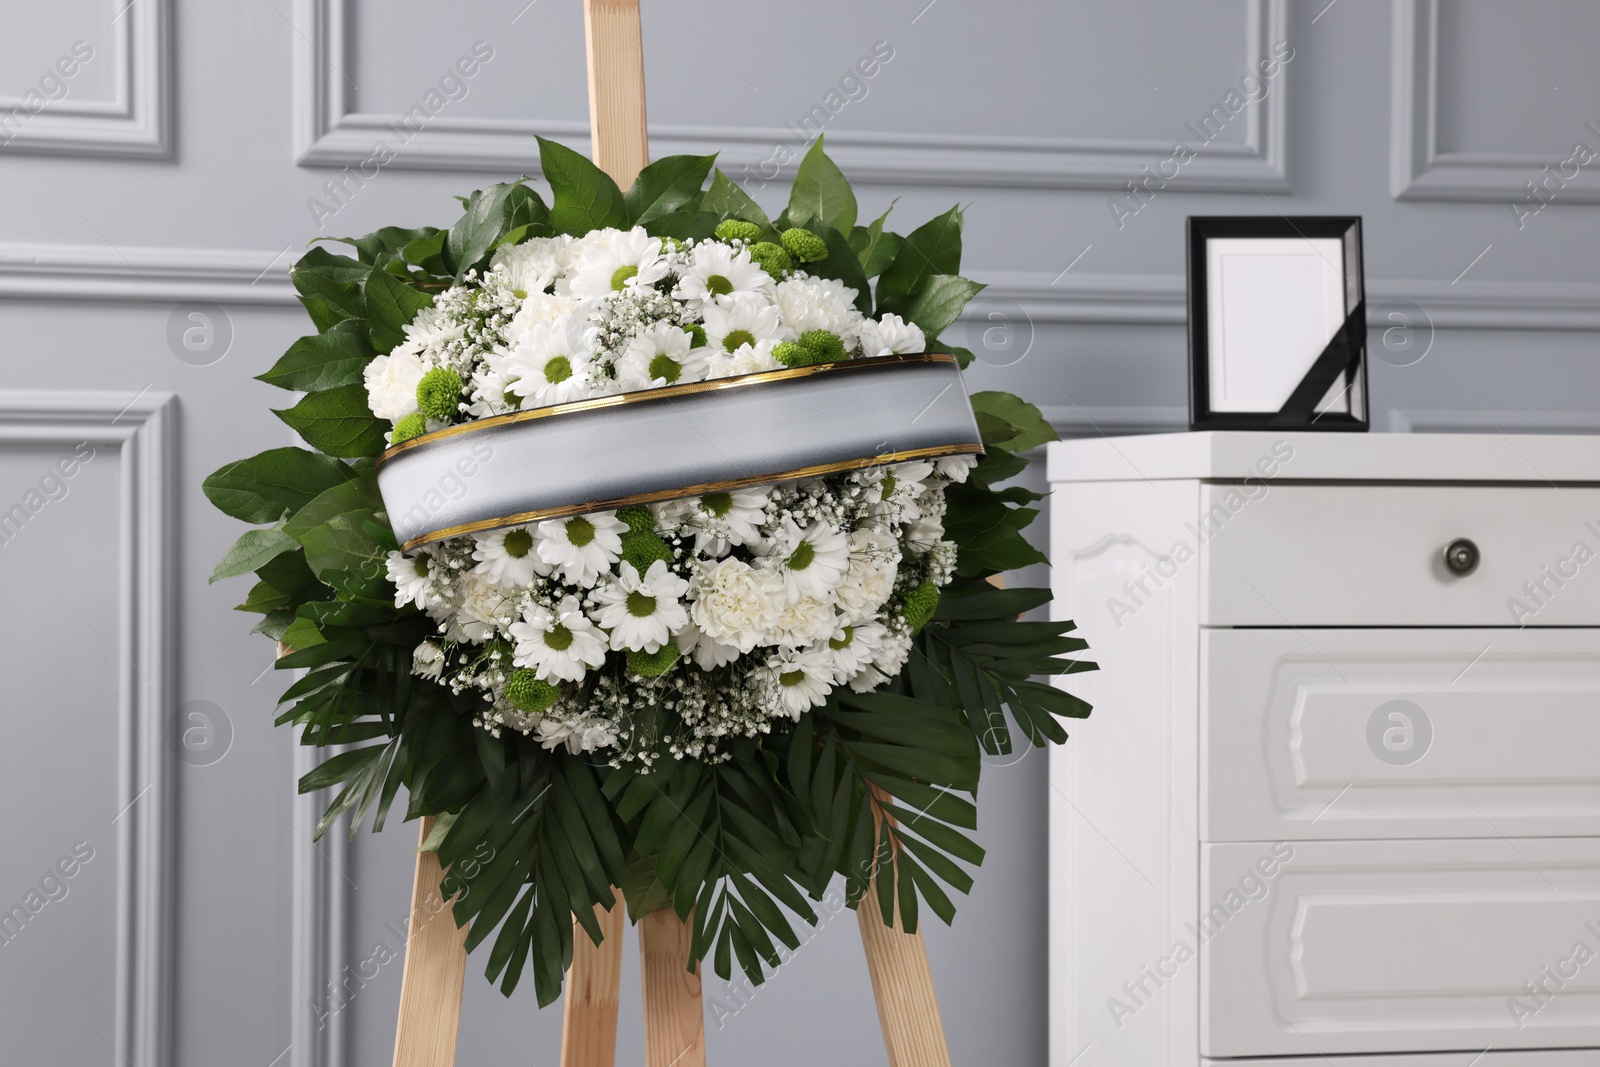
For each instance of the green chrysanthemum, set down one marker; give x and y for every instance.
(804, 245)
(772, 259)
(527, 693)
(639, 519)
(407, 428)
(737, 230)
(824, 346)
(653, 664)
(438, 393)
(791, 355)
(642, 548)
(919, 606)
(697, 334)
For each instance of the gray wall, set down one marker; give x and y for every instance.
(178, 165)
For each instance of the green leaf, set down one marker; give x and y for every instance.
(391, 305)
(934, 305)
(342, 554)
(821, 192)
(585, 197)
(359, 498)
(1012, 423)
(384, 243)
(874, 247)
(338, 422)
(841, 264)
(729, 201)
(427, 251)
(303, 634)
(263, 487)
(932, 248)
(329, 287)
(491, 215)
(670, 184)
(251, 550)
(683, 225)
(335, 357)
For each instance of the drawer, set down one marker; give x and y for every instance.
(1373, 555)
(1395, 733)
(1399, 946)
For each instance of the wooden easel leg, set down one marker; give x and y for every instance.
(436, 962)
(674, 1015)
(902, 983)
(589, 1014)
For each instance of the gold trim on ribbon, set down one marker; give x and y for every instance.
(694, 490)
(668, 392)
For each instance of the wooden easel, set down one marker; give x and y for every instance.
(674, 1016)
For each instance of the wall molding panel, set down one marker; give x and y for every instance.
(141, 429)
(328, 134)
(320, 907)
(137, 121)
(1418, 170)
(47, 271)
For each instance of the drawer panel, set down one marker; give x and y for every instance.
(1373, 555)
(1311, 734)
(1399, 946)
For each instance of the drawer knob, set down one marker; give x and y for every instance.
(1461, 557)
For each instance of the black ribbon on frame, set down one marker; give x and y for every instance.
(1342, 355)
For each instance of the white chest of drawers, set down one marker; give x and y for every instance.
(1337, 802)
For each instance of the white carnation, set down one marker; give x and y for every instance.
(819, 304)
(891, 335)
(874, 561)
(392, 382)
(736, 604)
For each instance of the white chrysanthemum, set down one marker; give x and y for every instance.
(484, 608)
(583, 546)
(537, 308)
(926, 531)
(955, 468)
(818, 304)
(432, 330)
(413, 577)
(804, 622)
(894, 491)
(560, 645)
(717, 274)
(812, 562)
(894, 648)
(890, 335)
(852, 647)
(624, 259)
(642, 611)
(798, 681)
(535, 264)
(579, 735)
(735, 603)
(874, 562)
(721, 520)
(707, 653)
(748, 359)
(391, 382)
(427, 660)
(661, 354)
(550, 363)
(743, 323)
(507, 557)
(487, 392)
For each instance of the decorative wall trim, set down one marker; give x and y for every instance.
(140, 427)
(1417, 169)
(320, 907)
(39, 271)
(328, 134)
(137, 121)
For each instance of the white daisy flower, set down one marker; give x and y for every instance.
(852, 647)
(890, 335)
(748, 359)
(717, 273)
(721, 520)
(744, 322)
(661, 354)
(708, 653)
(488, 392)
(894, 648)
(427, 660)
(874, 562)
(735, 603)
(583, 547)
(432, 330)
(391, 382)
(413, 577)
(535, 264)
(550, 363)
(507, 557)
(642, 611)
(806, 303)
(812, 562)
(625, 259)
(798, 681)
(560, 645)
(955, 468)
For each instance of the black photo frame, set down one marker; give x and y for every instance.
(1277, 323)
